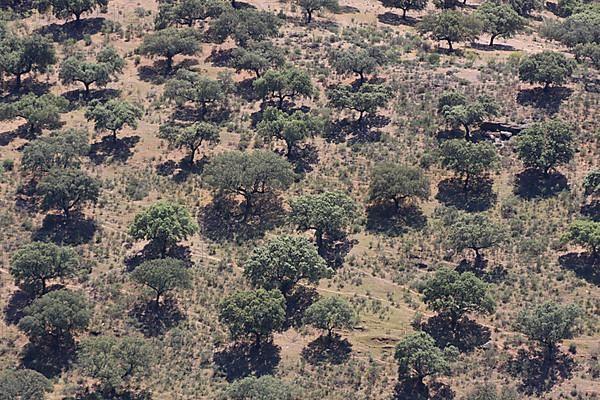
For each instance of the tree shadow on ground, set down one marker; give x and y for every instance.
(297, 303)
(335, 250)
(392, 221)
(221, 220)
(181, 170)
(153, 321)
(548, 100)
(74, 231)
(390, 18)
(242, 359)
(450, 134)
(304, 158)
(21, 132)
(28, 85)
(109, 149)
(584, 265)
(13, 311)
(49, 357)
(240, 5)
(77, 97)
(533, 184)
(327, 350)
(98, 394)
(215, 115)
(538, 371)
(157, 73)
(221, 57)
(354, 131)
(413, 389)
(494, 47)
(591, 210)
(73, 30)
(151, 251)
(479, 196)
(496, 274)
(467, 336)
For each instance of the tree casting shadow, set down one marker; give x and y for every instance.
(591, 210)
(392, 221)
(533, 184)
(13, 311)
(73, 30)
(49, 358)
(296, 304)
(242, 359)
(74, 231)
(390, 18)
(153, 321)
(478, 197)
(548, 100)
(584, 265)
(467, 336)
(109, 149)
(151, 251)
(413, 389)
(327, 349)
(538, 371)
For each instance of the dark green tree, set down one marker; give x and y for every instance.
(190, 137)
(115, 362)
(398, 183)
(64, 9)
(329, 214)
(310, 6)
(283, 262)
(357, 60)
(245, 26)
(162, 276)
(34, 264)
(450, 26)
(473, 231)
(164, 223)
(546, 145)
(585, 233)
(40, 112)
(406, 5)
(291, 128)
(62, 149)
(330, 313)
(258, 313)
(113, 115)
(266, 387)
(248, 175)
(418, 357)
(499, 20)
(365, 100)
(67, 190)
(170, 42)
(469, 160)
(57, 315)
(21, 55)
(526, 7)
(591, 183)
(288, 83)
(199, 90)
(188, 12)
(258, 57)
(547, 67)
(454, 294)
(457, 110)
(549, 324)
(23, 384)
(77, 69)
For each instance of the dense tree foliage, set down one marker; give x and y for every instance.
(329, 214)
(289, 83)
(454, 294)
(115, 361)
(258, 313)
(56, 315)
(291, 128)
(450, 26)
(202, 92)
(23, 384)
(34, 264)
(259, 388)
(40, 112)
(283, 262)
(190, 137)
(77, 69)
(244, 26)
(545, 146)
(580, 28)
(585, 233)
(188, 12)
(170, 42)
(468, 160)
(22, 54)
(257, 57)
(398, 183)
(473, 231)
(499, 20)
(164, 223)
(67, 190)
(365, 100)
(549, 323)
(526, 7)
(310, 6)
(406, 5)
(248, 175)
(162, 275)
(457, 110)
(64, 9)
(547, 67)
(357, 61)
(330, 313)
(113, 115)
(591, 183)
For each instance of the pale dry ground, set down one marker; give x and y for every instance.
(376, 337)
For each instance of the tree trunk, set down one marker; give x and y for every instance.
(450, 48)
(404, 13)
(168, 65)
(466, 183)
(467, 132)
(67, 213)
(308, 16)
(247, 207)
(87, 90)
(192, 155)
(114, 135)
(17, 81)
(361, 74)
(361, 115)
(319, 240)
(492, 40)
